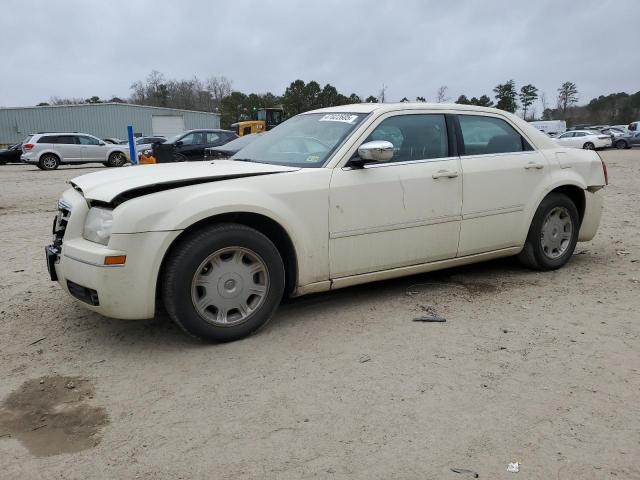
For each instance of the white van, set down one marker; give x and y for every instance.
(550, 127)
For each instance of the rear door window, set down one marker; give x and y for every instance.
(48, 139)
(66, 139)
(489, 135)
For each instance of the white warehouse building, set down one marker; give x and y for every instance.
(103, 120)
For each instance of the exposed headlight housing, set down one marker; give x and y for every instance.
(98, 225)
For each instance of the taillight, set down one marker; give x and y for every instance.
(606, 173)
(27, 146)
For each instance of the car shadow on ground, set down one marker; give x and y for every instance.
(160, 333)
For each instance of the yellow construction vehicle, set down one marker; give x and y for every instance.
(264, 120)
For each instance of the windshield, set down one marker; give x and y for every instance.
(175, 138)
(305, 140)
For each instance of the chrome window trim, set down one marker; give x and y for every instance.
(504, 154)
(367, 166)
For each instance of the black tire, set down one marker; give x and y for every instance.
(188, 256)
(179, 157)
(533, 254)
(589, 146)
(48, 161)
(117, 159)
(621, 144)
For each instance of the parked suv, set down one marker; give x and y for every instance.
(49, 150)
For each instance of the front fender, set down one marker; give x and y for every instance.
(296, 201)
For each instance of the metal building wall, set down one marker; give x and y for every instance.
(102, 120)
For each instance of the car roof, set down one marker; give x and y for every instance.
(64, 133)
(389, 107)
(208, 130)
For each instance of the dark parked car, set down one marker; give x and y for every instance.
(11, 154)
(190, 145)
(632, 139)
(229, 149)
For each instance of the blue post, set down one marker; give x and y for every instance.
(132, 146)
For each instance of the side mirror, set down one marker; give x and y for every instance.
(376, 151)
(102, 144)
(179, 143)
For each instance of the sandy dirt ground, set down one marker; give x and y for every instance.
(539, 368)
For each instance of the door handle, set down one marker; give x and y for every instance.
(445, 174)
(532, 165)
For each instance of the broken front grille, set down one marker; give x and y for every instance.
(61, 221)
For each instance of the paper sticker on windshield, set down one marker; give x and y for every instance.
(339, 117)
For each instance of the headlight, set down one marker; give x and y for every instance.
(98, 224)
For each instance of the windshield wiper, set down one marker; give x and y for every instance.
(243, 160)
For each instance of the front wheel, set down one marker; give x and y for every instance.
(223, 282)
(553, 234)
(116, 159)
(621, 144)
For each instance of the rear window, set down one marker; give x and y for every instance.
(48, 139)
(489, 135)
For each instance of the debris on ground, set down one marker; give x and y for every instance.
(364, 358)
(513, 467)
(430, 317)
(622, 253)
(36, 341)
(410, 291)
(465, 471)
(581, 252)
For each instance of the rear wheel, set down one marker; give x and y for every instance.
(223, 282)
(48, 162)
(116, 159)
(620, 144)
(553, 234)
(589, 146)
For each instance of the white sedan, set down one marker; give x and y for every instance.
(329, 199)
(587, 139)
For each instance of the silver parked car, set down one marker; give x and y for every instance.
(50, 150)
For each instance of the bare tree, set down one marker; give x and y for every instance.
(543, 101)
(65, 101)
(218, 88)
(441, 95)
(382, 93)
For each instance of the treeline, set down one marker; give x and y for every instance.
(613, 109)
(215, 94)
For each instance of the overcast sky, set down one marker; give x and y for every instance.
(83, 48)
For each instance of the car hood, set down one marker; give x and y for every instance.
(128, 182)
